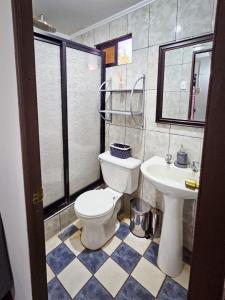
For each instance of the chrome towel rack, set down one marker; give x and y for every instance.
(133, 114)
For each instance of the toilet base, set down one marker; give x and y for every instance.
(94, 236)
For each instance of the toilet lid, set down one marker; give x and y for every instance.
(94, 203)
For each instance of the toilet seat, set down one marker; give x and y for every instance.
(95, 203)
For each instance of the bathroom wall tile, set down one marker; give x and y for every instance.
(118, 27)
(172, 78)
(186, 74)
(138, 25)
(86, 39)
(152, 68)
(101, 34)
(126, 204)
(174, 57)
(194, 17)
(171, 105)
(137, 68)
(187, 131)
(188, 223)
(118, 103)
(151, 195)
(214, 14)
(150, 108)
(191, 145)
(187, 54)
(67, 216)
(150, 113)
(163, 15)
(135, 138)
(156, 143)
(118, 76)
(116, 134)
(184, 105)
(77, 39)
(52, 227)
(107, 137)
(137, 102)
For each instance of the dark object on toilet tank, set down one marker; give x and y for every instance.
(120, 150)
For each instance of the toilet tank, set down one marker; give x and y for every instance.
(120, 174)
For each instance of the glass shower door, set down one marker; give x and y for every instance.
(83, 80)
(48, 80)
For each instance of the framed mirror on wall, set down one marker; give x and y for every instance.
(183, 81)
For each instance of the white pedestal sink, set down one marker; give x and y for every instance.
(170, 180)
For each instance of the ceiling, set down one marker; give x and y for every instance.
(70, 16)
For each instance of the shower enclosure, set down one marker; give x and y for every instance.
(71, 132)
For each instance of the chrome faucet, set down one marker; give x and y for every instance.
(195, 166)
(168, 158)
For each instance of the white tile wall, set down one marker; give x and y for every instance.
(160, 22)
(138, 25)
(118, 27)
(163, 15)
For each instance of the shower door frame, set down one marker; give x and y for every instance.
(63, 44)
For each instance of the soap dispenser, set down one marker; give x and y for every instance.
(182, 158)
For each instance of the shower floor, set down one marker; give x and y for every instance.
(125, 268)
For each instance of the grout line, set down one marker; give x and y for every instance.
(176, 20)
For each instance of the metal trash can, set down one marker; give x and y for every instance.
(156, 222)
(145, 221)
(140, 218)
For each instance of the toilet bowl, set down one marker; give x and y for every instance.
(98, 209)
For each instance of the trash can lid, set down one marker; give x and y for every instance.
(140, 206)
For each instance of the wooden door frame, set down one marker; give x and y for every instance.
(208, 262)
(28, 114)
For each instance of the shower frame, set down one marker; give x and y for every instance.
(67, 199)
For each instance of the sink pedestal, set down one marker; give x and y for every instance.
(170, 257)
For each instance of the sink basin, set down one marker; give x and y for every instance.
(170, 180)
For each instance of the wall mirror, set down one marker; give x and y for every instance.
(183, 81)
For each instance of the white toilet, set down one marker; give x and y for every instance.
(98, 209)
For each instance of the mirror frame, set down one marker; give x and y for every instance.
(160, 84)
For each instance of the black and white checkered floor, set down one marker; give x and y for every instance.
(125, 268)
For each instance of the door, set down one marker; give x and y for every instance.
(207, 274)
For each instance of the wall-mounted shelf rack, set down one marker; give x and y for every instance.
(131, 113)
(122, 91)
(121, 112)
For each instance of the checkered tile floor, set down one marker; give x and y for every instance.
(125, 268)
